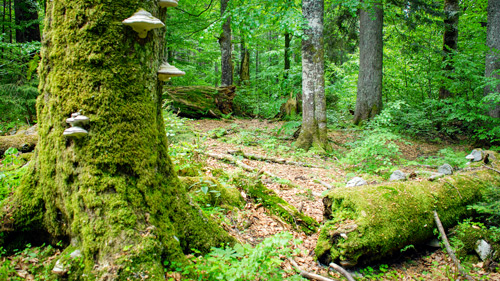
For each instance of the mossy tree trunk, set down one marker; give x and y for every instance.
(369, 94)
(493, 56)
(112, 194)
(313, 131)
(225, 48)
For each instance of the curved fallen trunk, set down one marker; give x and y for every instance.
(367, 223)
(21, 141)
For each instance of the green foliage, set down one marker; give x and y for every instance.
(35, 261)
(446, 155)
(244, 262)
(374, 152)
(489, 208)
(11, 173)
(18, 83)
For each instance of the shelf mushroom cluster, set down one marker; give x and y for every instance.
(76, 121)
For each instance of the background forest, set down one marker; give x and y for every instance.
(434, 90)
(266, 61)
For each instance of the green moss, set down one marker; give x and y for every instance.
(379, 220)
(207, 190)
(276, 205)
(116, 186)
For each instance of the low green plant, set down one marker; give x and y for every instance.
(376, 151)
(244, 262)
(489, 208)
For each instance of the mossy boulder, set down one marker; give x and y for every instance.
(370, 222)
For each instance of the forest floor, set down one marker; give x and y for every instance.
(301, 187)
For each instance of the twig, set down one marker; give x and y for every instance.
(491, 169)
(309, 275)
(325, 184)
(341, 270)
(448, 247)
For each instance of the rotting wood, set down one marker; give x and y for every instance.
(270, 199)
(341, 270)
(392, 215)
(271, 159)
(22, 142)
(448, 247)
(309, 275)
(201, 101)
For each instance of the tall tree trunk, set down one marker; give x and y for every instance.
(313, 130)
(369, 95)
(256, 61)
(245, 63)
(225, 48)
(287, 53)
(493, 57)
(27, 21)
(450, 42)
(113, 194)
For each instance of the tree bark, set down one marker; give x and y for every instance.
(27, 21)
(313, 131)
(369, 94)
(287, 54)
(225, 48)
(245, 63)
(450, 43)
(113, 194)
(493, 56)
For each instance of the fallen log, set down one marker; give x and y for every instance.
(367, 223)
(201, 101)
(22, 141)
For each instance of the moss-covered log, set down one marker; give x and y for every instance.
(113, 194)
(369, 222)
(201, 101)
(22, 142)
(276, 205)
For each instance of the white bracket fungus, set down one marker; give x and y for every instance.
(142, 22)
(166, 71)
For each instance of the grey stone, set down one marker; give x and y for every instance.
(475, 156)
(446, 169)
(483, 249)
(59, 268)
(356, 181)
(76, 254)
(397, 176)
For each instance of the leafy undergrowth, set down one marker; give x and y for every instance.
(267, 241)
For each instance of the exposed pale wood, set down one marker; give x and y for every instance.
(448, 247)
(342, 271)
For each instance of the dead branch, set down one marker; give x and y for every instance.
(270, 159)
(240, 164)
(491, 169)
(341, 270)
(455, 188)
(325, 184)
(308, 275)
(448, 247)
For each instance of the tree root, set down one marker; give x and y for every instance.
(448, 247)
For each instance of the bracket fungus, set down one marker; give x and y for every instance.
(142, 22)
(76, 120)
(168, 3)
(166, 71)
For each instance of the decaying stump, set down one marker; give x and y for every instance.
(201, 101)
(367, 223)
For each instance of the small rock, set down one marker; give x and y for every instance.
(76, 254)
(446, 169)
(59, 268)
(397, 176)
(483, 249)
(356, 181)
(475, 156)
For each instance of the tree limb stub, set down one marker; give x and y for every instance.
(448, 247)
